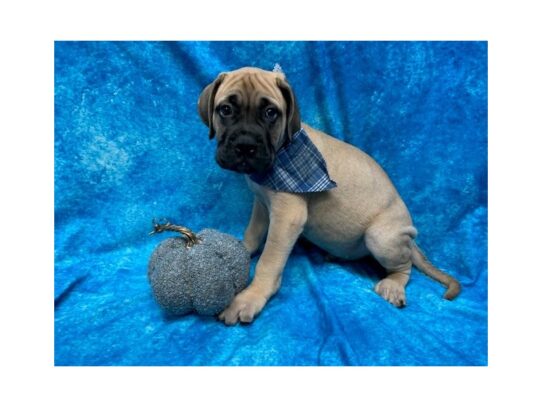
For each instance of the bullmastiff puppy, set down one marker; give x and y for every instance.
(254, 115)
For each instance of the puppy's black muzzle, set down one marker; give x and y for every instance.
(245, 147)
(245, 152)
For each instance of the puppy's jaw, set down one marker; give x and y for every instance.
(242, 165)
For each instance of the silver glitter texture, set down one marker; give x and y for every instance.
(203, 278)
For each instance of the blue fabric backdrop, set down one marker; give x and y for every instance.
(129, 147)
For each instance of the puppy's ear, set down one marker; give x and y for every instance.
(206, 103)
(293, 123)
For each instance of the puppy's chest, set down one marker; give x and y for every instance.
(264, 195)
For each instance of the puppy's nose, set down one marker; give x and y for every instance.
(245, 149)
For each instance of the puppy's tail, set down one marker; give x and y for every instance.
(421, 262)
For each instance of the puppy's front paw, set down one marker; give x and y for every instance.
(244, 307)
(392, 292)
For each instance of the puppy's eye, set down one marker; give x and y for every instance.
(225, 110)
(271, 113)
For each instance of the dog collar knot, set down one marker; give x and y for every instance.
(298, 167)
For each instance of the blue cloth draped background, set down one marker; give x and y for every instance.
(130, 147)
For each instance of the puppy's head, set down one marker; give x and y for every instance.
(253, 113)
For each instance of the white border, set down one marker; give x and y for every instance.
(28, 31)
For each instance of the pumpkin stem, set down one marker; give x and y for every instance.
(191, 238)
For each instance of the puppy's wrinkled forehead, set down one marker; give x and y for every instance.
(249, 86)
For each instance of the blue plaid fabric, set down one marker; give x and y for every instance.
(298, 167)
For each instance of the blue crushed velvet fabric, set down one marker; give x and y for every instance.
(130, 147)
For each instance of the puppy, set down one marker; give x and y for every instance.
(340, 199)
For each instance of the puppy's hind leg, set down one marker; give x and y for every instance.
(392, 248)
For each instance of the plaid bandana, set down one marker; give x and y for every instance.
(298, 167)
